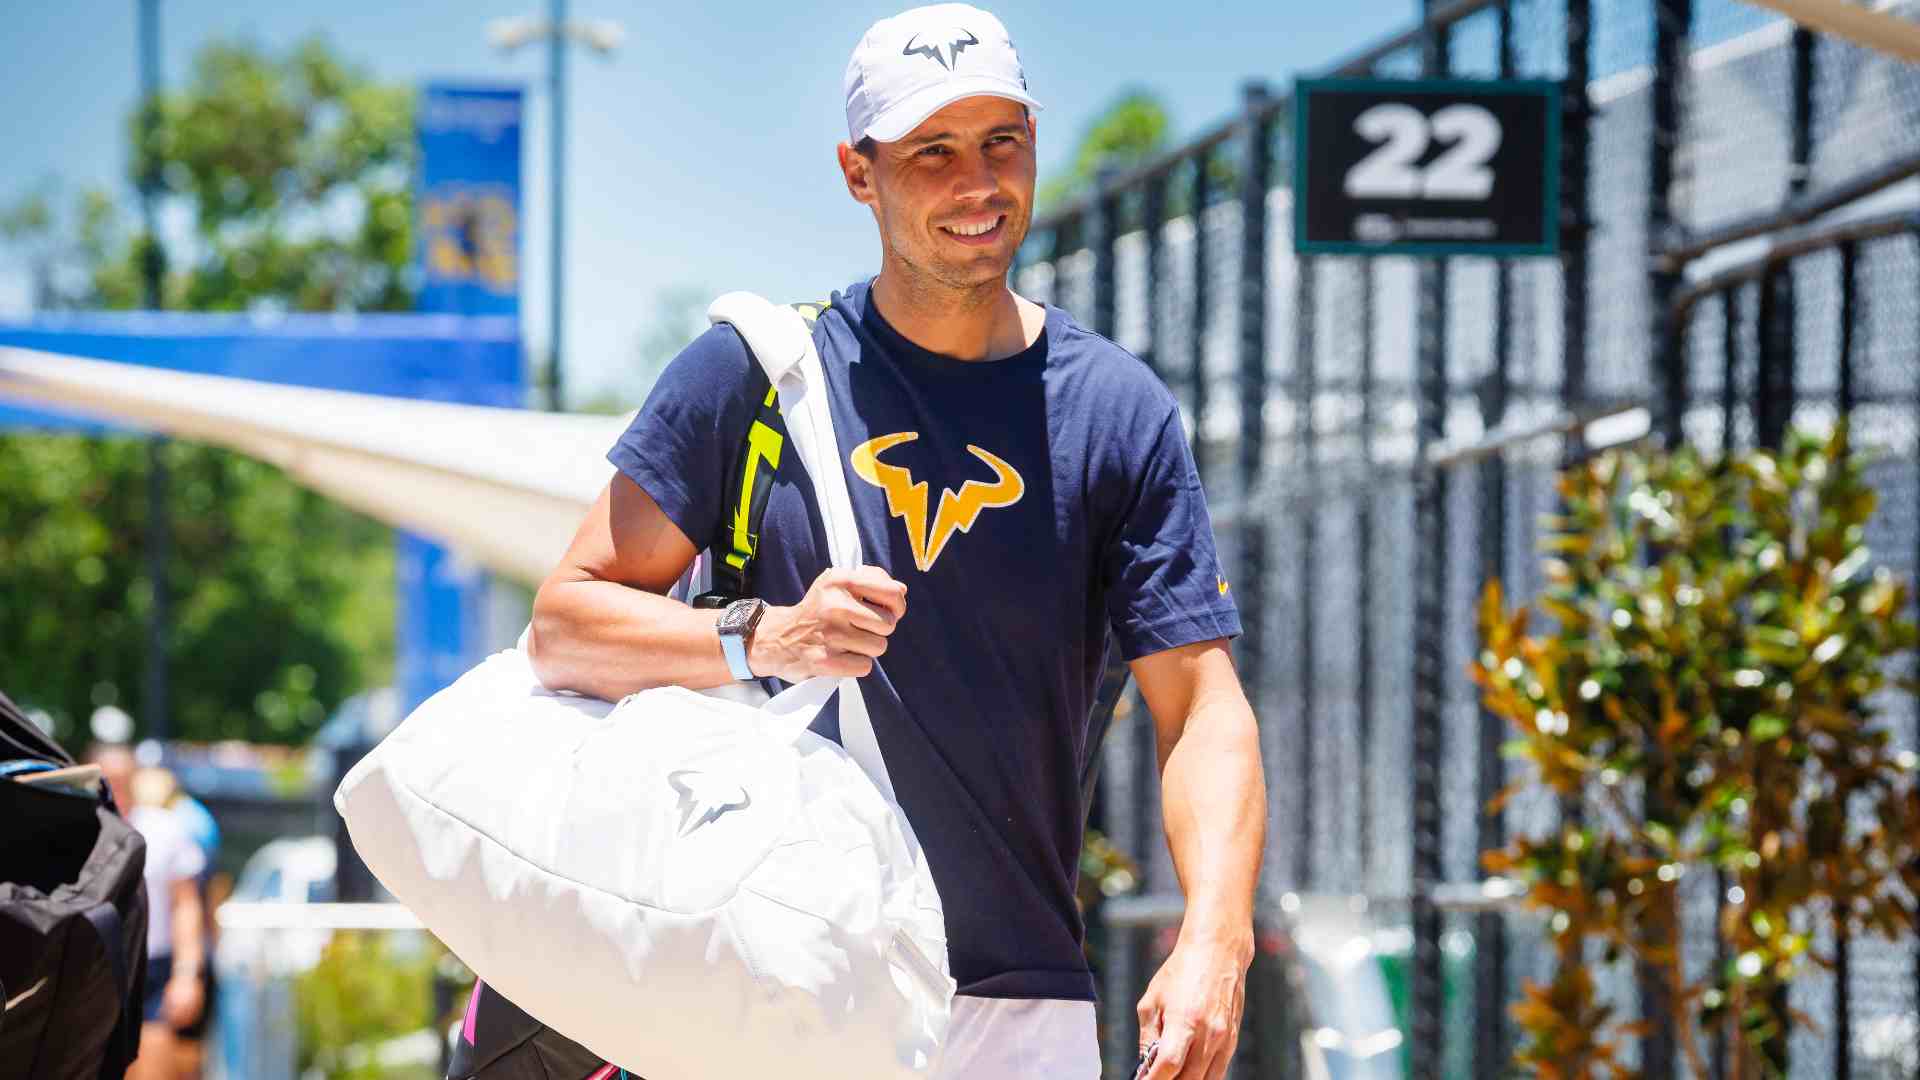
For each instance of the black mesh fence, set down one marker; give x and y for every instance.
(1734, 261)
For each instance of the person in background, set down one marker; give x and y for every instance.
(166, 791)
(176, 952)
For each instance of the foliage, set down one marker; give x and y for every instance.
(281, 600)
(1105, 871)
(298, 170)
(27, 226)
(77, 252)
(295, 169)
(362, 993)
(1130, 131)
(1721, 649)
(1134, 130)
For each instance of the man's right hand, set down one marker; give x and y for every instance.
(838, 629)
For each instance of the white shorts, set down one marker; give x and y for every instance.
(1018, 1039)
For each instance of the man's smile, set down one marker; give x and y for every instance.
(979, 232)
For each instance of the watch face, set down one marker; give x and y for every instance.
(740, 616)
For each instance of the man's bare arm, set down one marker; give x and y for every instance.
(1213, 799)
(1214, 793)
(603, 625)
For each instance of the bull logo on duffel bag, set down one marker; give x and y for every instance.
(704, 798)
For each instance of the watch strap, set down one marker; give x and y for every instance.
(735, 648)
(736, 623)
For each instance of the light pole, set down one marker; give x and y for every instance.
(602, 36)
(153, 265)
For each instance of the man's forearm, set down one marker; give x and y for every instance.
(1215, 808)
(609, 640)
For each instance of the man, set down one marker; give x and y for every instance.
(1020, 485)
(176, 997)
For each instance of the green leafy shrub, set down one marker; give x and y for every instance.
(1711, 689)
(368, 990)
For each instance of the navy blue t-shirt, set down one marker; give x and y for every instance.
(1027, 504)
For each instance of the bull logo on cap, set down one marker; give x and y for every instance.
(956, 42)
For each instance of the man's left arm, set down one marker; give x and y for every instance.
(1214, 803)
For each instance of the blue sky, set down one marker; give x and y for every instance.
(701, 153)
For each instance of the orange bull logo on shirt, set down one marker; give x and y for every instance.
(907, 497)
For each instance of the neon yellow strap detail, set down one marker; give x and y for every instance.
(762, 442)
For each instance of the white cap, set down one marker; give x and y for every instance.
(918, 62)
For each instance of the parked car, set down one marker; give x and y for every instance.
(293, 870)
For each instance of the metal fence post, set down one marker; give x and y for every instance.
(1061, 242)
(1916, 422)
(1363, 527)
(1775, 385)
(1720, 1045)
(1115, 942)
(1849, 316)
(1490, 937)
(1252, 570)
(1153, 214)
(1426, 994)
(1799, 169)
(1429, 688)
(1672, 21)
(1302, 388)
(1773, 410)
(1575, 217)
(1773, 382)
(1107, 208)
(1842, 924)
(1575, 213)
(1197, 343)
(1729, 368)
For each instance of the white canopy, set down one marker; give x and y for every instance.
(505, 487)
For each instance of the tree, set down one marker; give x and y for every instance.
(69, 251)
(296, 170)
(27, 226)
(1130, 131)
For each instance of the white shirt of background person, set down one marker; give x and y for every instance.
(172, 856)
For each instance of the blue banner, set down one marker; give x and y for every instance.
(475, 361)
(468, 235)
(467, 225)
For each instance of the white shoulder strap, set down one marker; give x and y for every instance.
(782, 342)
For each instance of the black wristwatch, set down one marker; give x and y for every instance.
(736, 626)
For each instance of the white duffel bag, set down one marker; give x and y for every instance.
(690, 887)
